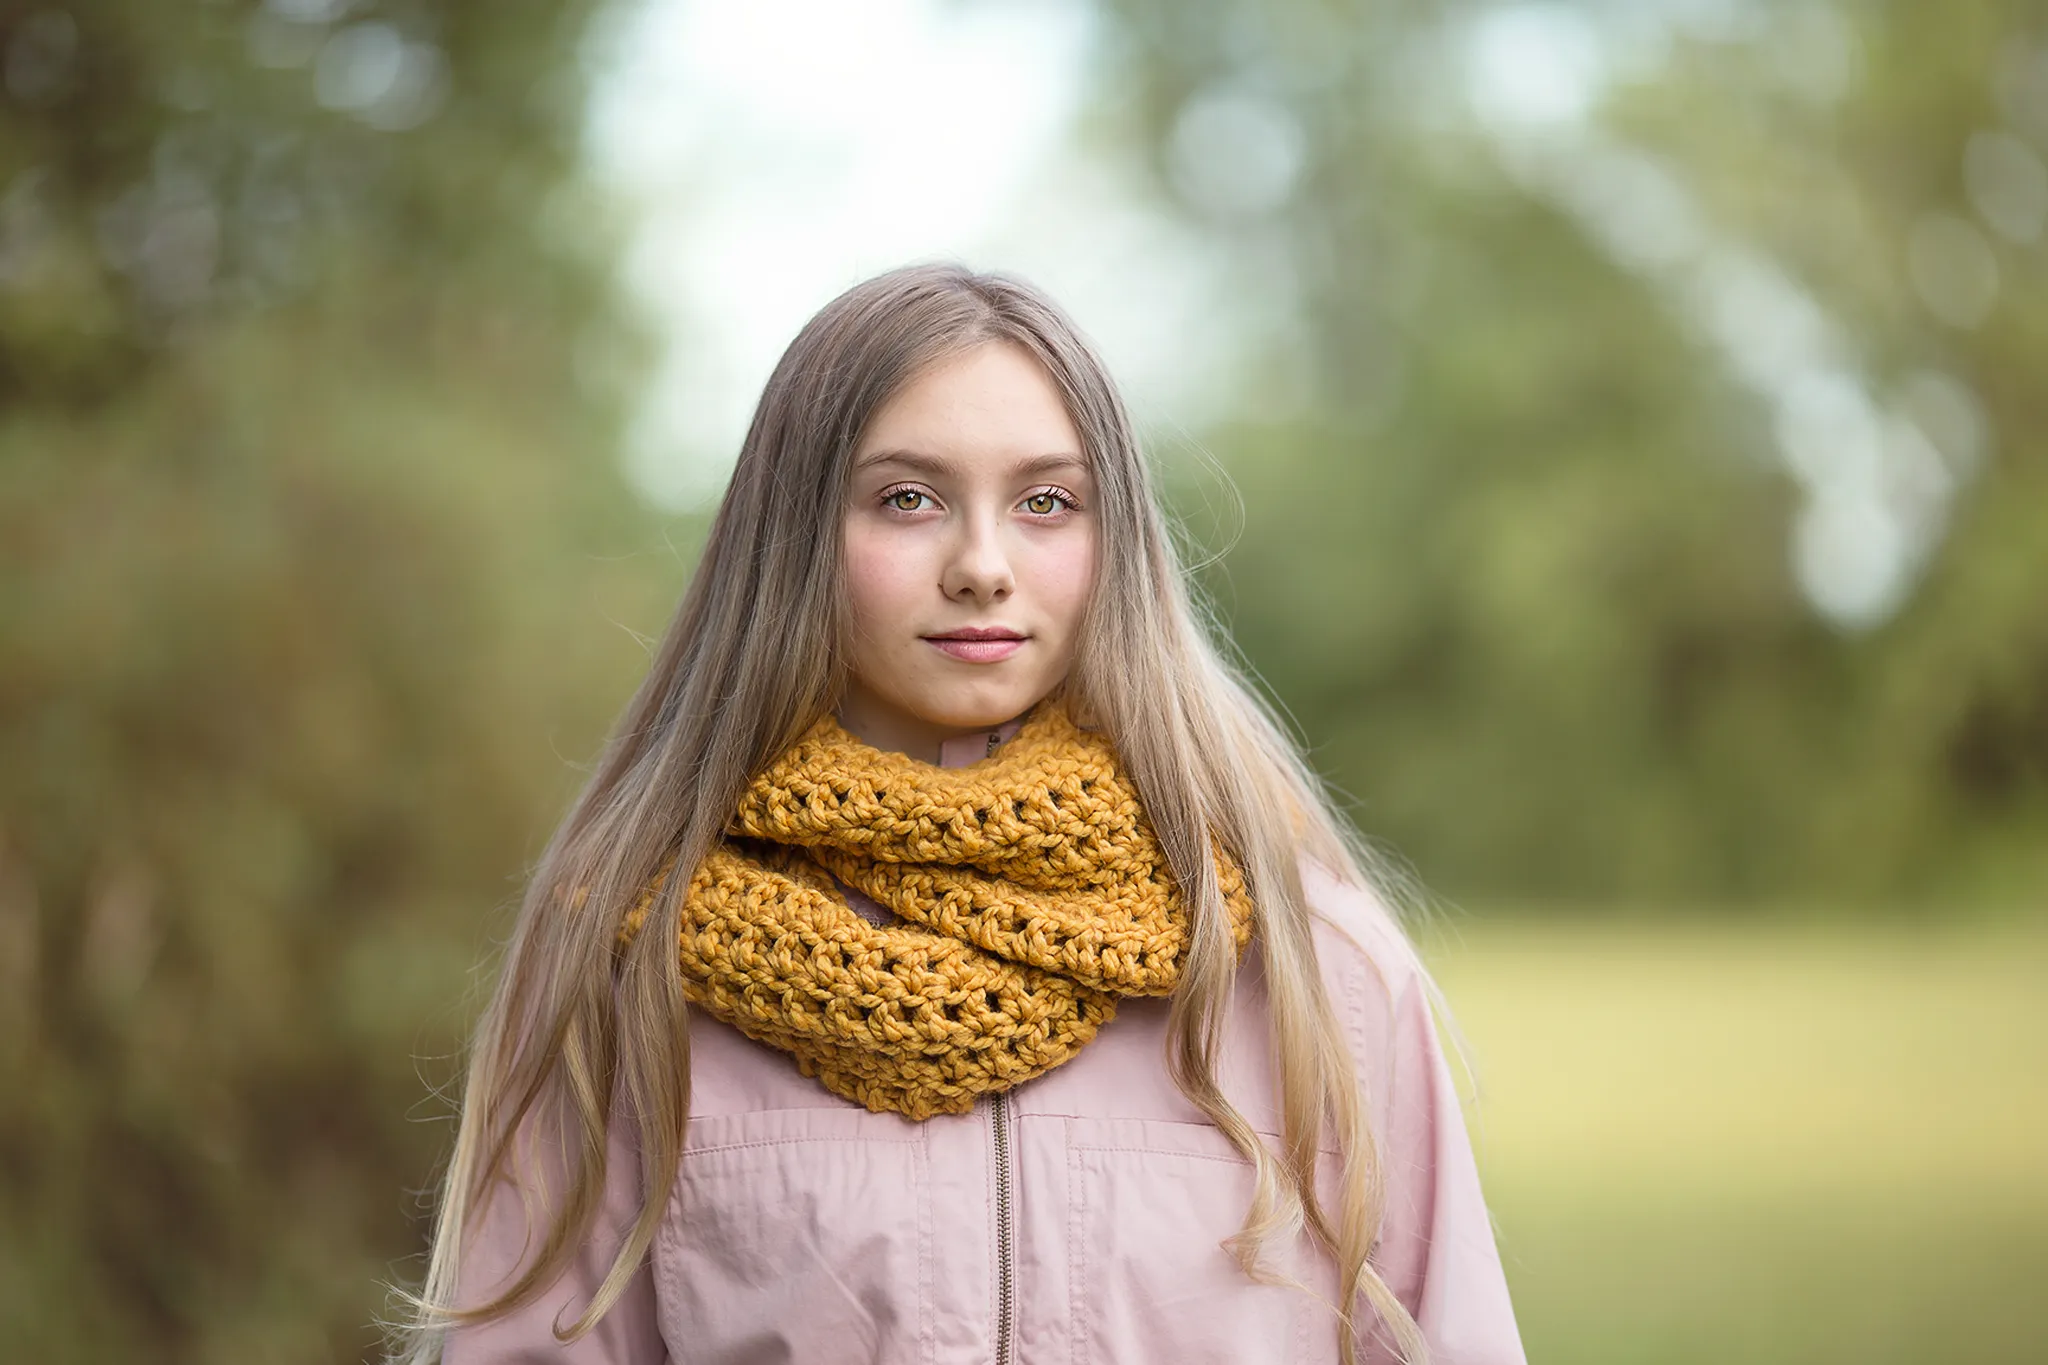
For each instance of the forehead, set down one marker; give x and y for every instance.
(993, 403)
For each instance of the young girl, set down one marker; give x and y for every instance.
(950, 959)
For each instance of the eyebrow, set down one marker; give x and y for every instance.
(938, 466)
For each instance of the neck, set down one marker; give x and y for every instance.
(881, 726)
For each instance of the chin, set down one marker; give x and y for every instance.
(978, 708)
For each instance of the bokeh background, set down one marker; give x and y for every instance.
(1614, 431)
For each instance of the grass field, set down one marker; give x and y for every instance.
(1733, 1142)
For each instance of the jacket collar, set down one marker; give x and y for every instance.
(962, 750)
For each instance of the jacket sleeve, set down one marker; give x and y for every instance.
(1436, 1248)
(501, 1243)
(1437, 1242)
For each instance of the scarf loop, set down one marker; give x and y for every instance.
(1031, 892)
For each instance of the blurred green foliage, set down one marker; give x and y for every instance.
(310, 544)
(318, 579)
(1518, 545)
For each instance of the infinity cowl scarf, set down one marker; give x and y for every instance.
(1031, 893)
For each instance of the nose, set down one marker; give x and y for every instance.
(978, 568)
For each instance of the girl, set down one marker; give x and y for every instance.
(950, 959)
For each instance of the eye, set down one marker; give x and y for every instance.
(1047, 502)
(906, 499)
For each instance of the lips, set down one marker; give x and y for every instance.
(978, 633)
(978, 644)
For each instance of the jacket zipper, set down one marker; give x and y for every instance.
(999, 1111)
(1006, 1279)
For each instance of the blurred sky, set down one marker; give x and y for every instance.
(780, 151)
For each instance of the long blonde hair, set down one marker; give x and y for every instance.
(577, 1030)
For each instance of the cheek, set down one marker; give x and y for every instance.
(881, 578)
(1064, 579)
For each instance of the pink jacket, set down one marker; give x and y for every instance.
(1073, 1220)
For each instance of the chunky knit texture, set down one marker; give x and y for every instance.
(1031, 891)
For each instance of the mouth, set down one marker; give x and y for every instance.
(978, 644)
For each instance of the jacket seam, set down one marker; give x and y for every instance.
(1218, 1158)
(1077, 1260)
(1202, 1123)
(799, 1141)
(927, 1290)
(1354, 990)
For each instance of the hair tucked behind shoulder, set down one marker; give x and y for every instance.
(577, 1030)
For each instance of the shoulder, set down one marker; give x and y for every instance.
(1366, 957)
(1385, 1001)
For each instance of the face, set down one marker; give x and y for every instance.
(970, 549)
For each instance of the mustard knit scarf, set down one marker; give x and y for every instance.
(1031, 891)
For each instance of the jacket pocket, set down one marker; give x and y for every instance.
(798, 1235)
(1150, 1203)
